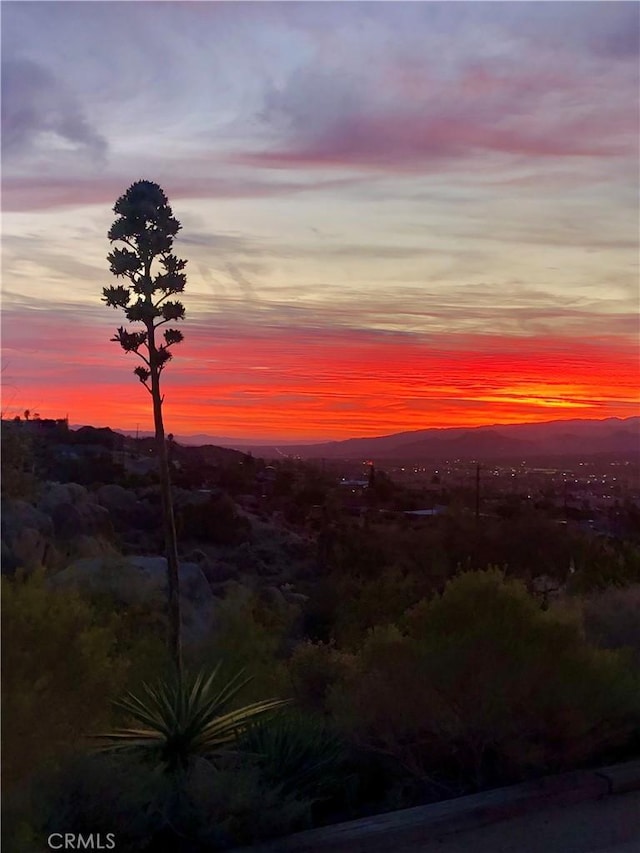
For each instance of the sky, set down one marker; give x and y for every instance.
(396, 215)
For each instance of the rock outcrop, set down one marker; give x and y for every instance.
(143, 580)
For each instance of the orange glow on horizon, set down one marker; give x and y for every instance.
(288, 385)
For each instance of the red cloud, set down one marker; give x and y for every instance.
(283, 383)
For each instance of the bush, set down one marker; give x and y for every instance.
(603, 563)
(89, 794)
(60, 670)
(232, 804)
(365, 604)
(65, 658)
(249, 635)
(297, 753)
(612, 619)
(480, 681)
(314, 669)
(218, 807)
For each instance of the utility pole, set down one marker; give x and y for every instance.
(477, 493)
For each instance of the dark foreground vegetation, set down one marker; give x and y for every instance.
(421, 658)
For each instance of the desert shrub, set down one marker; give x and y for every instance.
(65, 657)
(314, 669)
(482, 682)
(319, 612)
(60, 669)
(188, 774)
(528, 545)
(297, 752)
(249, 634)
(357, 551)
(89, 793)
(219, 806)
(140, 636)
(231, 804)
(364, 603)
(601, 563)
(612, 619)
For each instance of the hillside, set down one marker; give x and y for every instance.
(553, 438)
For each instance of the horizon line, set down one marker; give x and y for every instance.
(279, 440)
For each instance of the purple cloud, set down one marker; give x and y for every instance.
(416, 111)
(38, 109)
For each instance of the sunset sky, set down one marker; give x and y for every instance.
(396, 215)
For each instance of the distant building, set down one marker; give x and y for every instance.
(45, 425)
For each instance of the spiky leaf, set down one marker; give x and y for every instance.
(179, 719)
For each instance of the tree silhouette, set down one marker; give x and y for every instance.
(146, 225)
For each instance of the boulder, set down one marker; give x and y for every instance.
(197, 556)
(296, 598)
(273, 596)
(84, 546)
(119, 501)
(143, 580)
(29, 548)
(17, 514)
(55, 494)
(27, 535)
(217, 571)
(82, 519)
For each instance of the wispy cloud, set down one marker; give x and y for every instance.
(394, 214)
(412, 116)
(40, 115)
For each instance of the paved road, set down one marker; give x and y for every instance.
(611, 825)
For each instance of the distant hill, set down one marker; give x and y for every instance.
(206, 450)
(499, 441)
(617, 436)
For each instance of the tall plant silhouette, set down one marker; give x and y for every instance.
(146, 226)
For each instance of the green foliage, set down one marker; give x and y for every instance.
(367, 603)
(601, 563)
(59, 668)
(425, 552)
(227, 806)
(90, 794)
(182, 718)
(482, 675)
(139, 625)
(612, 619)
(215, 808)
(528, 545)
(249, 634)
(314, 669)
(298, 753)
